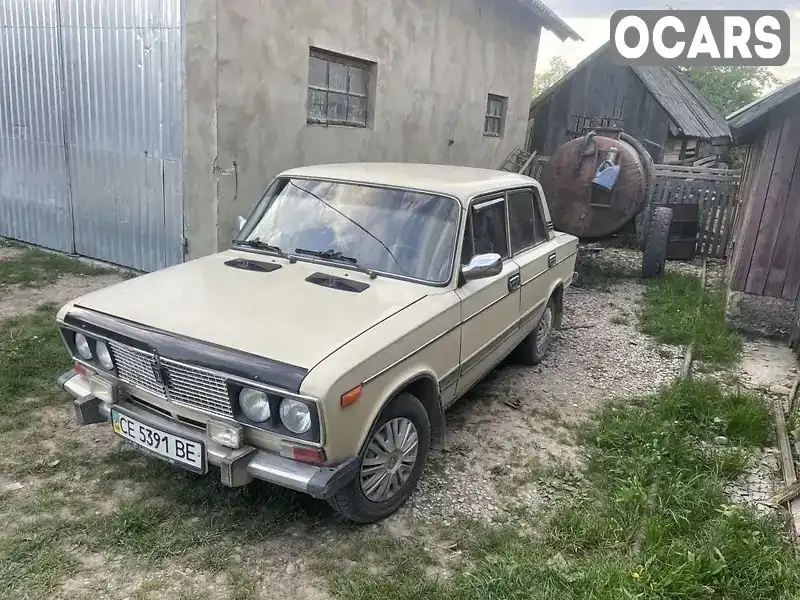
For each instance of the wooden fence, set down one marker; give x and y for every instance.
(715, 193)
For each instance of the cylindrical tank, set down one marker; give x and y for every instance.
(579, 208)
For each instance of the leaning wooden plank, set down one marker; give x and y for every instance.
(787, 494)
(687, 362)
(793, 396)
(787, 461)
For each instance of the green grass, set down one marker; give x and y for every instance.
(32, 356)
(34, 267)
(678, 311)
(651, 521)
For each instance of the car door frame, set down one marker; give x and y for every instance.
(535, 262)
(473, 368)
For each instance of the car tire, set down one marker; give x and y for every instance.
(655, 246)
(535, 346)
(360, 503)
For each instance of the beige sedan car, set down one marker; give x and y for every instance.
(320, 352)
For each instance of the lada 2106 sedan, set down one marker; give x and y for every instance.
(357, 303)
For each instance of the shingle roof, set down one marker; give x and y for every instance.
(692, 114)
(690, 111)
(742, 119)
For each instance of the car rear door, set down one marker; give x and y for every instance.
(489, 307)
(533, 250)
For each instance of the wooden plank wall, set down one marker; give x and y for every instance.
(714, 190)
(768, 255)
(600, 89)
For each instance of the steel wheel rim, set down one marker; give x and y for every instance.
(544, 330)
(389, 460)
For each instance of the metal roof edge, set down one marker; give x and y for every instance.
(551, 21)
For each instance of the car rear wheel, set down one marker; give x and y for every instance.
(534, 348)
(390, 464)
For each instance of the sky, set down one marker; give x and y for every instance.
(592, 22)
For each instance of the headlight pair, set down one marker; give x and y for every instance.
(83, 346)
(295, 415)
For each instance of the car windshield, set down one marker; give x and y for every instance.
(397, 232)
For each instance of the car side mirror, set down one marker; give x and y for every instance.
(240, 221)
(482, 266)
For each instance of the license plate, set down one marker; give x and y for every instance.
(167, 446)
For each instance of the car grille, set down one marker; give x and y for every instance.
(186, 385)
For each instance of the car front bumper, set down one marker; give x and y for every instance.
(237, 467)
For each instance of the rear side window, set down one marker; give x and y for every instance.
(490, 235)
(525, 217)
(522, 219)
(540, 228)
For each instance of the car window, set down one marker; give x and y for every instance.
(522, 219)
(399, 232)
(540, 228)
(490, 235)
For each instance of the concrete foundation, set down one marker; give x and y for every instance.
(761, 315)
(436, 62)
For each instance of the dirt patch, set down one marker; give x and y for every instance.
(10, 252)
(17, 300)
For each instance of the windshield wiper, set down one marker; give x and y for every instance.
(354, 222)
(260, 245)
(335, 256)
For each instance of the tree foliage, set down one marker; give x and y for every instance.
(731, 88)
(558, 68)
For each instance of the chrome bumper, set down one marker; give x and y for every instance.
(237, 467)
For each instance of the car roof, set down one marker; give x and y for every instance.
(463, 183)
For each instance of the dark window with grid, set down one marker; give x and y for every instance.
(495, 116)
(337, 89)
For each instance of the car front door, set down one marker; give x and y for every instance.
(535, 253)
(489, 306)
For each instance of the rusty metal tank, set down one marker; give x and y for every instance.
(579, 208)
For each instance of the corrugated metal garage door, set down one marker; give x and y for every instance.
(90, 128)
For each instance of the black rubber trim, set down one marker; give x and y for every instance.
(252, 265)
(326, 482)
(189, 350)
(337, 283)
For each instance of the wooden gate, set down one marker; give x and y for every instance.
(713, 191)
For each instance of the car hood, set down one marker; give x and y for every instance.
(277, 315)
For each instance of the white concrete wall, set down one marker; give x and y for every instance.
(437, 60)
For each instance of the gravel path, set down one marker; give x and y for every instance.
(494, 451)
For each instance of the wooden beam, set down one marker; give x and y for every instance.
(787, 462)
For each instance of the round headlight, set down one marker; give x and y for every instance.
(82, 346)
(254, 405)
(296, 416)
(104, 356)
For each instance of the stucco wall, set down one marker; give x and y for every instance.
(437, 60)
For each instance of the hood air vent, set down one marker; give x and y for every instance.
(252, 265)
(337, 283)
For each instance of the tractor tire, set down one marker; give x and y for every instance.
(655, 245)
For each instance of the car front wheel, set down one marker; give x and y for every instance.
(390, 464)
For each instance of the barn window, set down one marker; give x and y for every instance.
(495, 116)
(338, 89)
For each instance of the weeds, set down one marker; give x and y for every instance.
(34, 267)
(32, 356)
(678, 311)
(650, 521)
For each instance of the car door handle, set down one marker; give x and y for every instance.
(514, 282)
(552, 260)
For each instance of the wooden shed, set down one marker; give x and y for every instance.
(764, 274)
(659, 106)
